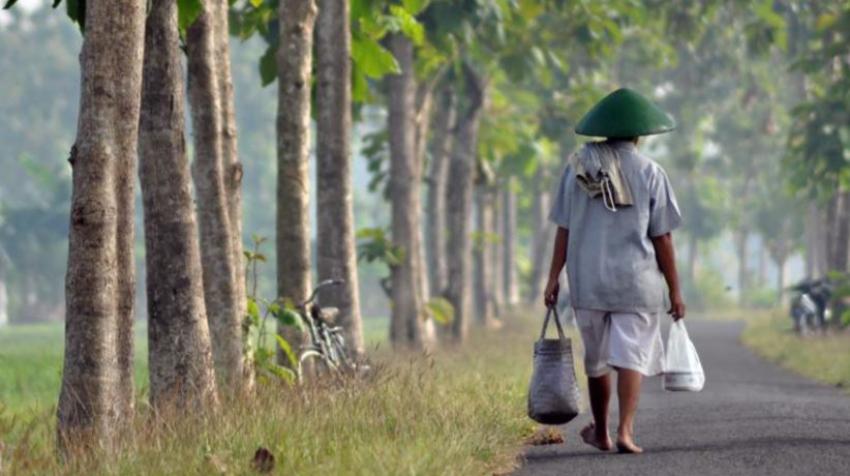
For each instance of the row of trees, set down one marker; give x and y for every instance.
(480, 97)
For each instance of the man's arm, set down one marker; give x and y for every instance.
(559, 257)
(666, 257)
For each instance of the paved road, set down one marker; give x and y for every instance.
(752, 418)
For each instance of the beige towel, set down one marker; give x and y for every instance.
(598, 173)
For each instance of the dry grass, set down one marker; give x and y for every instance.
(461, 412)
(823, 358)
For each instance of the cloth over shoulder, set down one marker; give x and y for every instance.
(598, 173)
(611, 263)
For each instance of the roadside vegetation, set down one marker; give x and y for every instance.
(460, 411)
(825, 358)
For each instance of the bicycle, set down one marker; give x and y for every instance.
(326, 351)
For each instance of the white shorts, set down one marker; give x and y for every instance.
(629, 340)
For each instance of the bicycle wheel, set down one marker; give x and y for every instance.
(315, 363)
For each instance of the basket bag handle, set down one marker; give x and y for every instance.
(549, 311)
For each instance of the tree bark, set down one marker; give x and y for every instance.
(335, 228)
(96, 393)
(405, 179)
(180, 352)
(459, 203)
(484, 310)
(232, 166)
(220, 289)
(294, 65)
(510, 281)
(542, 238)
(497, 252)
(841, 233)
(435, 215)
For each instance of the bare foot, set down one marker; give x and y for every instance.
(626, 445)
(593, 438)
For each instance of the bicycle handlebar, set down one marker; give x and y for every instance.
(324, 284)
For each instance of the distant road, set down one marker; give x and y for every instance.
(752, 418)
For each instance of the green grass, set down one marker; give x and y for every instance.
(460, 411)
(822, 358)
(31, 362)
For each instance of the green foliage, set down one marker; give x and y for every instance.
(256, 322)
(187, 12)
(375, 246)
(440, 310)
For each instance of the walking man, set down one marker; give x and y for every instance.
(615, 211)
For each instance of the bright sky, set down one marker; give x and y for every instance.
(27, 5)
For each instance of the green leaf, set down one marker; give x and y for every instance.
(10, 3)
(373, 59)
(288, 317)
(287, 350)
(441, 310)
(281, 372)
(253, 311)
(408, 25)
(256, 3)
(414, 7)
(76, 10)
(187, 12)
(268, 65)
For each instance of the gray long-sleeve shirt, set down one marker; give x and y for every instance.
(611, 262)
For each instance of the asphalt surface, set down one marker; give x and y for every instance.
(752, 418)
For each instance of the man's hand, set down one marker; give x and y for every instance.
(677, 306)
(550, 295)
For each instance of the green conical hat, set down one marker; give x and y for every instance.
(623, 114)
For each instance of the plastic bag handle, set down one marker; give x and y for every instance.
(549, 311)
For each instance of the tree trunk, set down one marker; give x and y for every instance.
(231, 166)
(441, 146)
(542, 238)
(742, 250)
(496, 253)
(407, 303)
(459, 203)
(484, 311)
(220, 290)
(421, 124)
(335, 228)
(780, 279)
(294, 66)
(96, 379)
(180, 352)
(841, 225)
(510, 281)
(815, 236)
(4, 303)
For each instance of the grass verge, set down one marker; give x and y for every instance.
(458, 412)
(822, 358)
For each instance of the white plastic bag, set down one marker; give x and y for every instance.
(682, 370)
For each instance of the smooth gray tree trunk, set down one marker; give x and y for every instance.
(96, 395)
(485, 312)
(510, 280)
(435, 214)
(4, 303)
(542, 237)
(209, 170)
(179, 347)
(294, 71)
(336, 252)
(459, 203)
(232, 166)
(405, 178)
